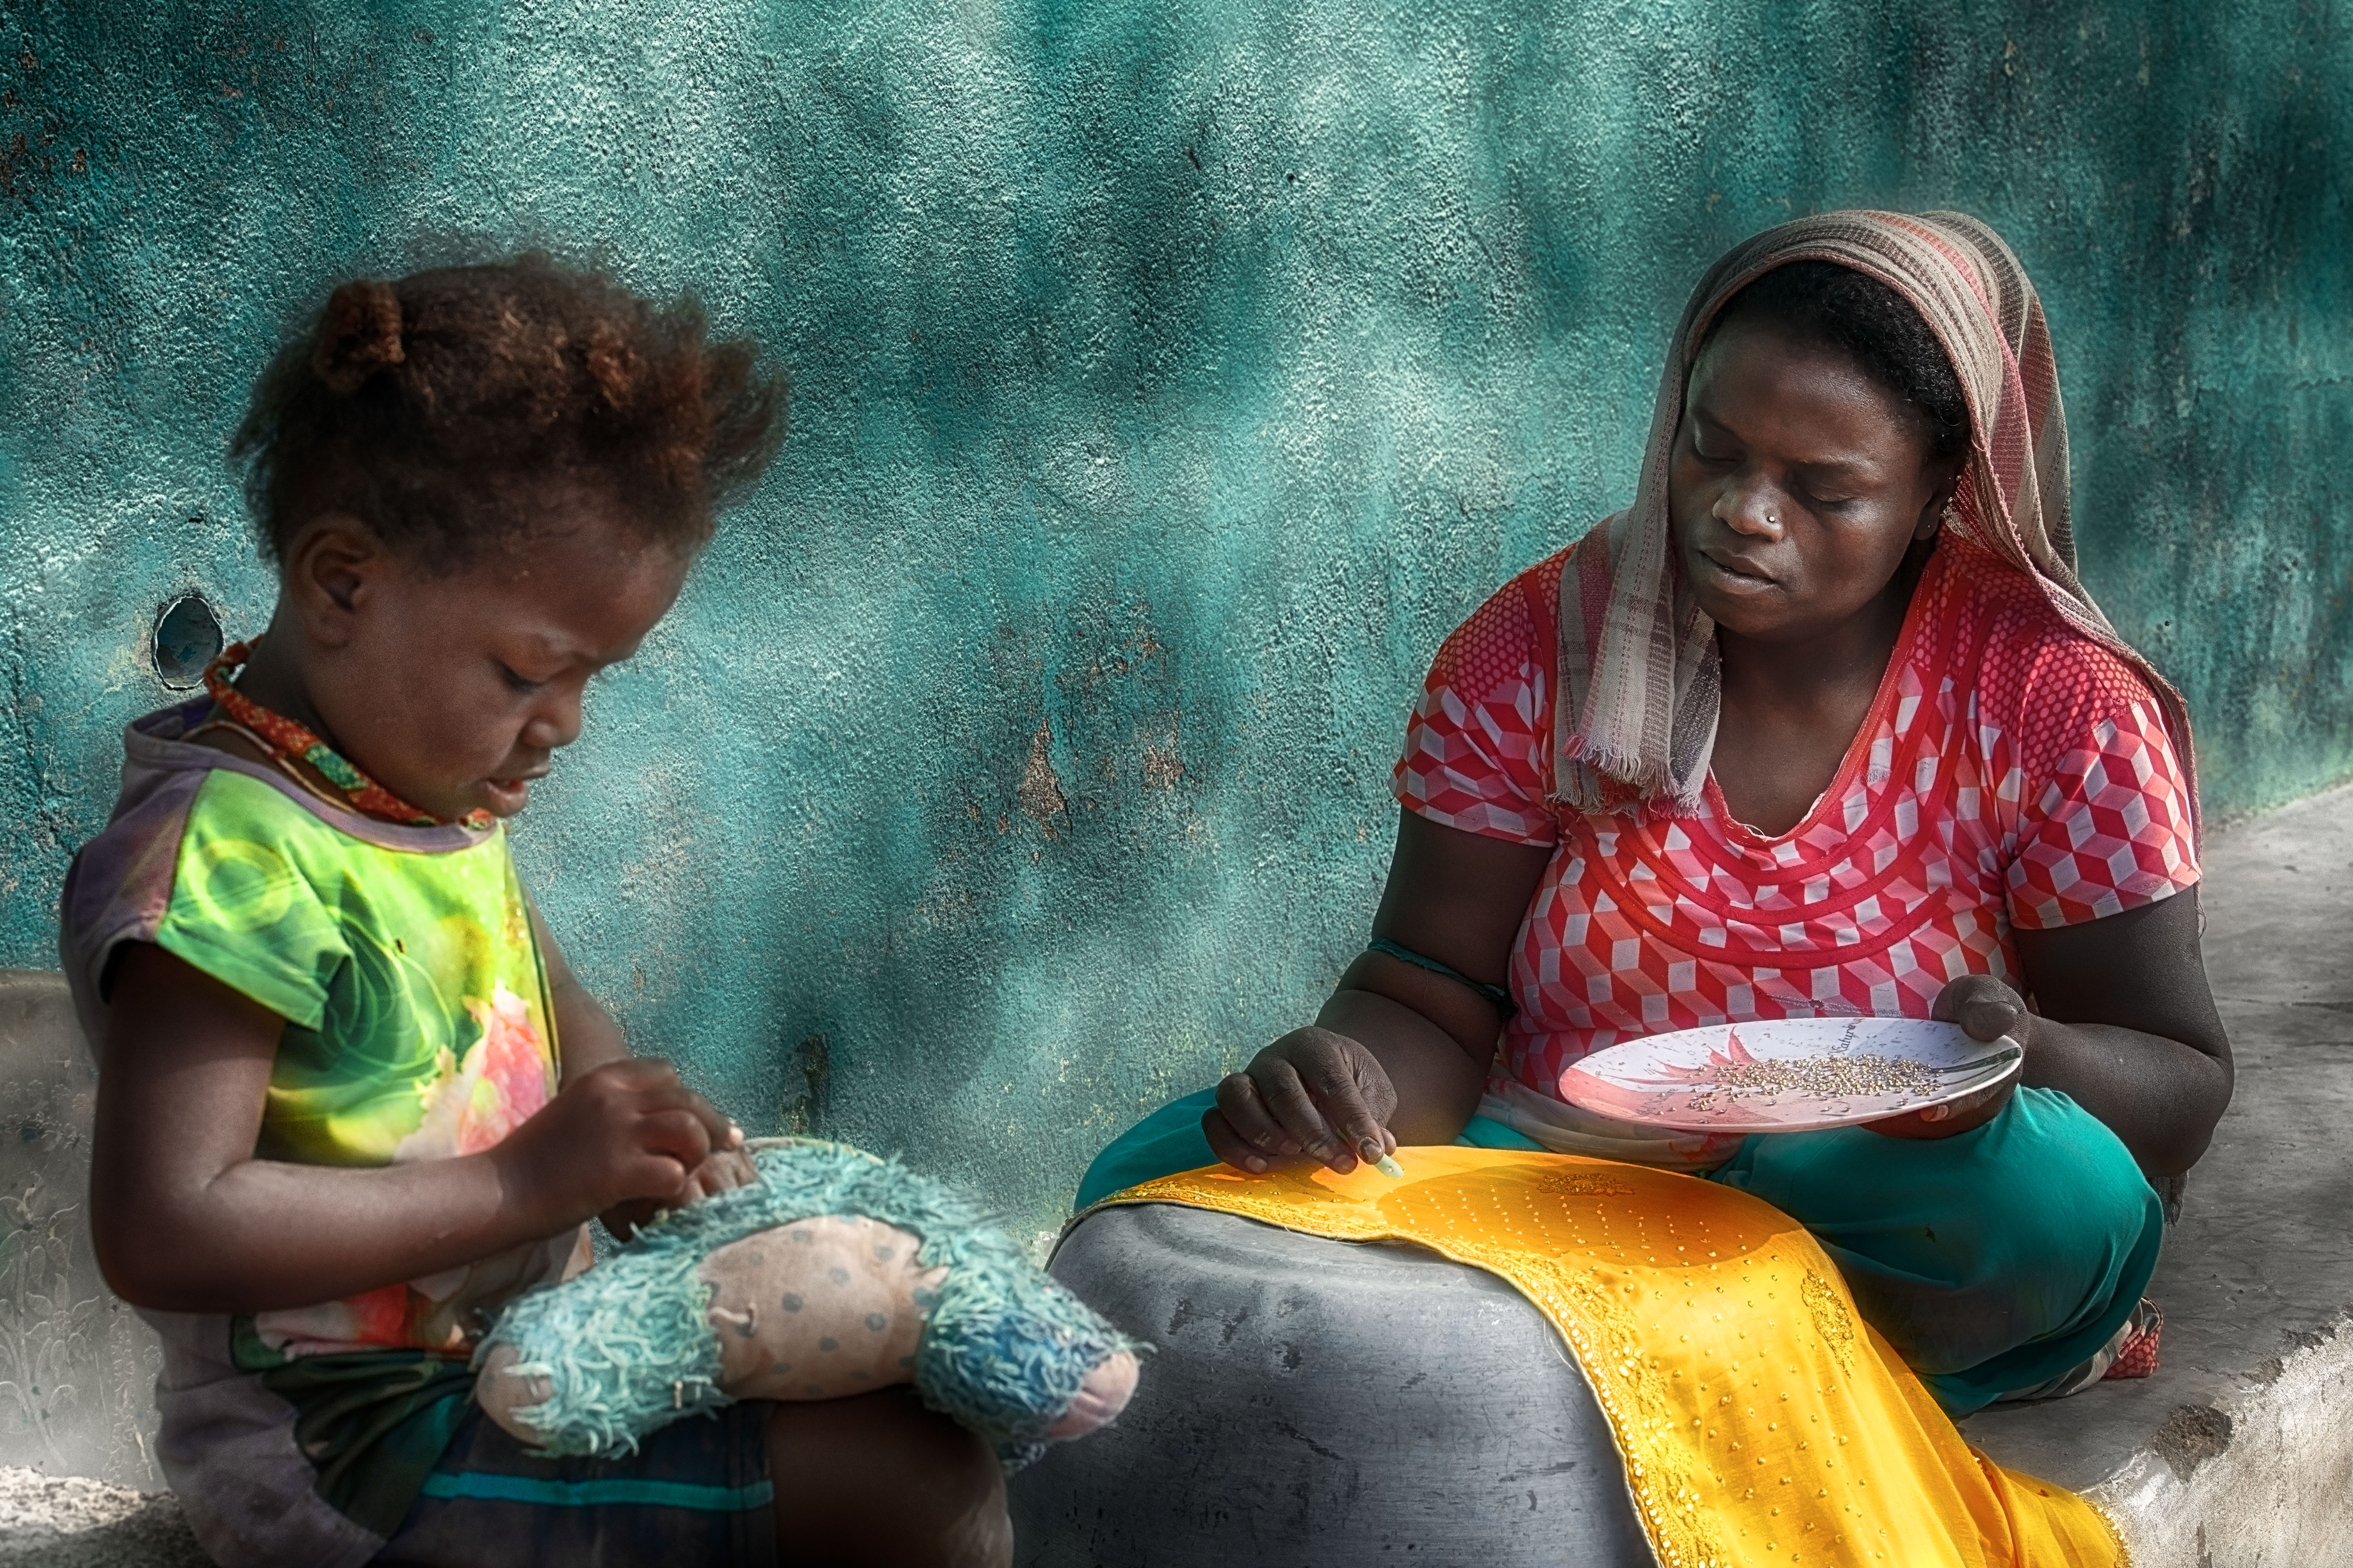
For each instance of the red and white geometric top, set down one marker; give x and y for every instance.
(2011, 776)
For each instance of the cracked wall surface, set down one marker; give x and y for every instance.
(1169, 378)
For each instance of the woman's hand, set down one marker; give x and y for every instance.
(628, 1130)
(1313, 1093)
(1986, 1010)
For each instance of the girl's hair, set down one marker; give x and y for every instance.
(1822, 302)
(438, 408)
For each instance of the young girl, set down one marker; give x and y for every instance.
(351, 1099)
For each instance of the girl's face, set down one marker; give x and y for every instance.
(454, 690)
(1796, 486)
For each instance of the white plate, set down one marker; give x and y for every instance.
(1787, 1075)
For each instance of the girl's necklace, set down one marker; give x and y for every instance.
(287, 741)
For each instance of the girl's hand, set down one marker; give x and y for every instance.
(1986, 1010)
(1313, 1093)
(726, 1170)
(629, 1130)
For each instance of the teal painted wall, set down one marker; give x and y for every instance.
(1171, 376)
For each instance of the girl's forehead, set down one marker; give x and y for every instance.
(576, 593)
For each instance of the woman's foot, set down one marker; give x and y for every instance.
(878, 1481)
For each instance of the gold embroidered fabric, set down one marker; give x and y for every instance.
(1761, 1421)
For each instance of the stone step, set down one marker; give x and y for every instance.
(71, 1521)
(2238, 1454)
(2239, 1450)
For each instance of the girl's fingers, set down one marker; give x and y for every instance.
(718, 1132)
(679, 1134)
(725, 1171)
(658, 1088)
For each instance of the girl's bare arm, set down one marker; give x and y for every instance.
(586, 1038)
(185, 1219)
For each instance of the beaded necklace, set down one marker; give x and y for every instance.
(285, 740)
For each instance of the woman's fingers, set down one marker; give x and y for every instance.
(1311, 1092)
(1241, 1131)
(1972, 1109)
(1343, 1107)
(1229, 1145)
(1287, 1098)
(1246, 1108)
(1982, 1005)
(1950, 1119)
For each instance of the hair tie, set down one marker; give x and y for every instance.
(359, 335)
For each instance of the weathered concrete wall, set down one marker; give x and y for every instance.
(1170, 377)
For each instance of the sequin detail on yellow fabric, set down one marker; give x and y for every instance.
(1831, 1320)
(1759, 1420)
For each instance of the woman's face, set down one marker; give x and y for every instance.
(1797, 484)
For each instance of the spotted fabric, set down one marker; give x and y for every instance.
(2013, 774)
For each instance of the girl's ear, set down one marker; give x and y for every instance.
(332, 570)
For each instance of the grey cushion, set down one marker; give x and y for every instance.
(1321, 1403)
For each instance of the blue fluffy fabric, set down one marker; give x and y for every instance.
(627, 1349)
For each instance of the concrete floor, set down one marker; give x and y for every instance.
(2238, 1454)
(66, 1521)
(2239, 1450)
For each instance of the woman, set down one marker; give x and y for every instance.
(1823, 724)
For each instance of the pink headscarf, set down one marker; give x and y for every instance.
(1640, 680)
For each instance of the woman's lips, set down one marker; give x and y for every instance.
(1736, 574)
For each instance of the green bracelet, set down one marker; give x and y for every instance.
(1496, 997)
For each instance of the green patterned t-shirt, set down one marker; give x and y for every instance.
(417, 1022)
(417, 1026)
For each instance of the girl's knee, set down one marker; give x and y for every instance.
(879, 1480)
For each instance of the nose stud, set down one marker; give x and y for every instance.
(1772, 519)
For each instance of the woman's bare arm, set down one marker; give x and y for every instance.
(185, 1219)
(1398, 1055)
(2125, 1026)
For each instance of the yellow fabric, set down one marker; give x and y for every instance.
(1761, 1419)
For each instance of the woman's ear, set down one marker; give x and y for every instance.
(1932, 516)
(332, 570)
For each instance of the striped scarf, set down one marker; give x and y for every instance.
(1640, 676)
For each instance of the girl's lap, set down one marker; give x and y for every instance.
(876, 1479)
(697, 1490)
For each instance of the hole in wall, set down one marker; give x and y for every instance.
(188, 637)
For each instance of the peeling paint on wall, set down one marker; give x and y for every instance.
(1041, 788)
(1169, 379)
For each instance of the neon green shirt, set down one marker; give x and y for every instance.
(418, 1020)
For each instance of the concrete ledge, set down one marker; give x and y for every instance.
(2239, 1450)
(66, 1521)
(2238, 1454)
